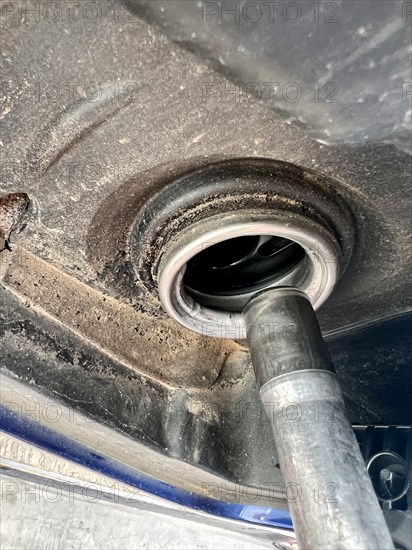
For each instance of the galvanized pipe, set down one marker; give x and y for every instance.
(331, 498)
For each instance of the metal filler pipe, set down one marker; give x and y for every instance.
(331, 498)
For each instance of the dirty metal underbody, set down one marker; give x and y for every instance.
(97, 117)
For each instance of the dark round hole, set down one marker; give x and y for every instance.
(225, 254)
(238, 266)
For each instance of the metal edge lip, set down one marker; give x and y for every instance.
(95, 446)
(320, 280)
(283, 538)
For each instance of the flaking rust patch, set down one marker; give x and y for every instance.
(12, 210)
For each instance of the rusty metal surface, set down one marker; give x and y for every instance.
(131, 336)
(98, 115)
(145, 121)
(12, 209)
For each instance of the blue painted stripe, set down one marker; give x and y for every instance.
(29, 430)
